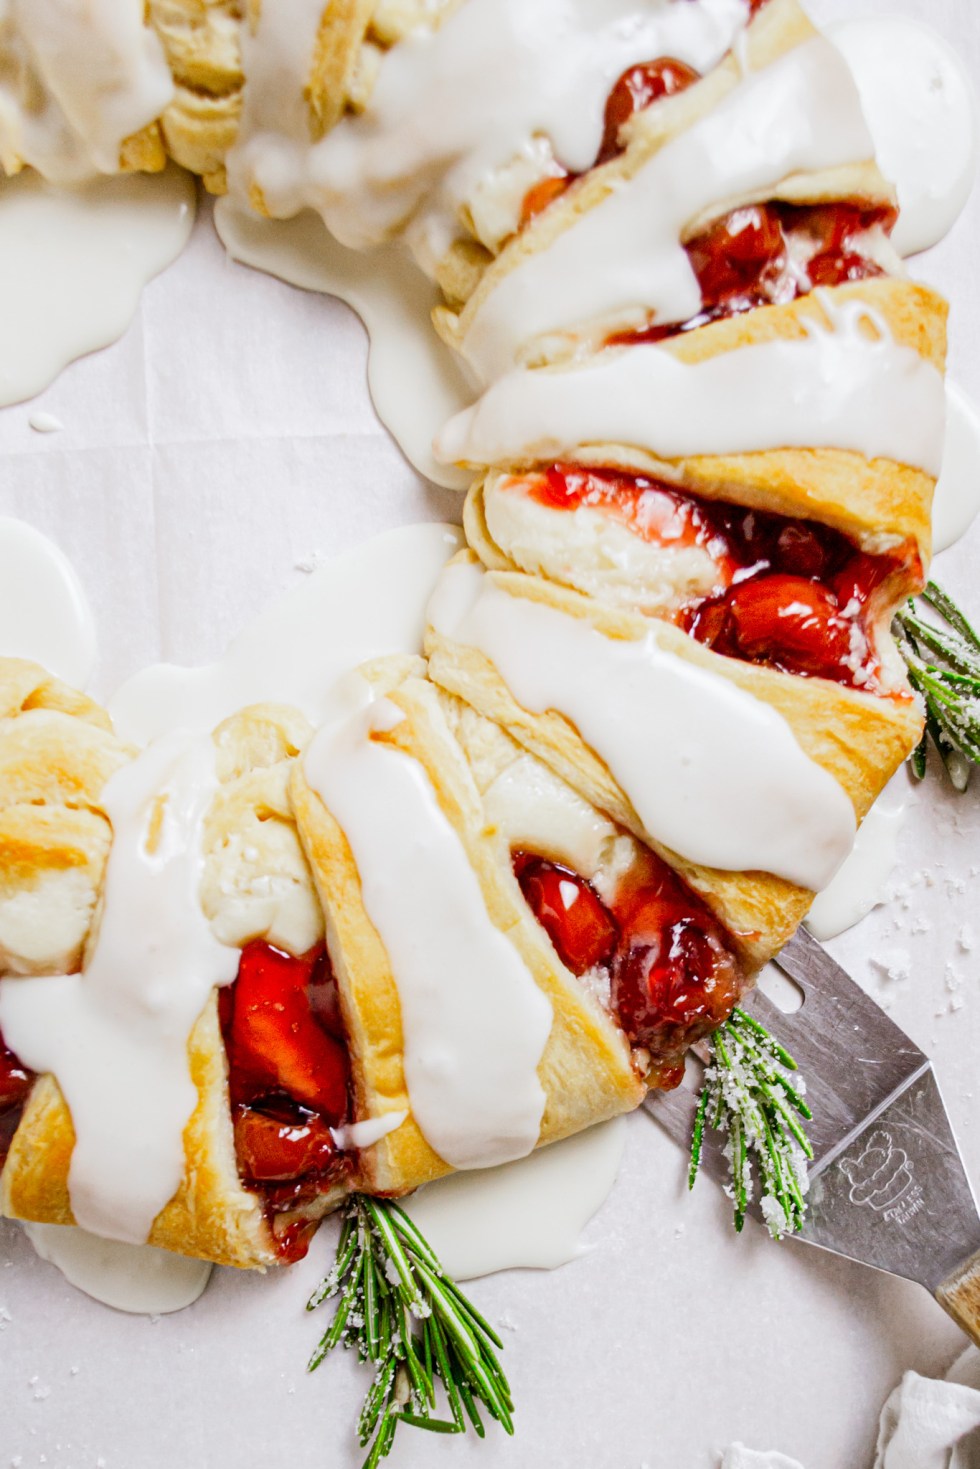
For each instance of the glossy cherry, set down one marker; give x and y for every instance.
(275, 1040)
(637, 89)
(278, 1142)
(582, 930)
(672, 975)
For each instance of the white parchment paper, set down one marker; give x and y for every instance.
(225, 442)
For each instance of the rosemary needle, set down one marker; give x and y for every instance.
(400, 1312)
(747, 1095)
(942, 653)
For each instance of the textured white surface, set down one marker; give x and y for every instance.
(225, 439)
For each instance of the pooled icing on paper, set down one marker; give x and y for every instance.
(115, 1036)
(713, 773)
(73, 264)
(475, 1022)
(846, 385)
(636, 231)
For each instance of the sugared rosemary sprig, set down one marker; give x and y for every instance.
(402, 1315)
(943, 658)
(748, 1095)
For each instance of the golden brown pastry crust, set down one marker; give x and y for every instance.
(212, 1215)
(57, 751)
(585, 1071)
(861, 740)
(876, 502)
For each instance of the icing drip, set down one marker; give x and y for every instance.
(847, 385)
(475, 1023)
(713, 773)
(115, 1036)
(77, 80)
(734, 151)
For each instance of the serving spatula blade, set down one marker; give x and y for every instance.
(887, 1183)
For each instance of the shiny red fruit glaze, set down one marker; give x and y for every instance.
(570, 911)
(672, 975)
(288, 1080)
(783, 621)
(789, 593)
(275, 1041)
(742, 260)
(274, 1147)
(638, 88)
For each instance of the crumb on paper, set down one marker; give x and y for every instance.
(966, 939)
(312, 562)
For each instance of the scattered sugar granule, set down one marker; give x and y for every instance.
(952, 979)
(894, 964)
(507, 1322)
(74, 1370)
(5, 1318)
(16, 1461)
(966, 939)
(678, 1230)
(313, 562)
(955, 885)
(921, 925)
(957, 1003)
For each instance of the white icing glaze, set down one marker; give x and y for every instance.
(500, 82)
(527, 1214)
(733, 152)
(593, 551)
(712, 772)
(957, 498)
(136, 1278)
(920, 106)
(844, 386)
(73, 263)
(44, 612)
(365, 1134)
(77, 80)
(860, 884)
(416, 382)
(115, 1036)
(45, 423)
(366, 602)
(475, 1023)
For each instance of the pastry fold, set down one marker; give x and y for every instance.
(859, 739)
(470, 272)
(585, 1071)
(256, 885)
(877, 502)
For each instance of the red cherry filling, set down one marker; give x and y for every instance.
(288, 1079)
(276, 1041)
(789, 593)
(672, 975)
(769, 254)
(583, 932)
(638, 88)
(15, 1085)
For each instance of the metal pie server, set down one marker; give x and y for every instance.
(887, 1183)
